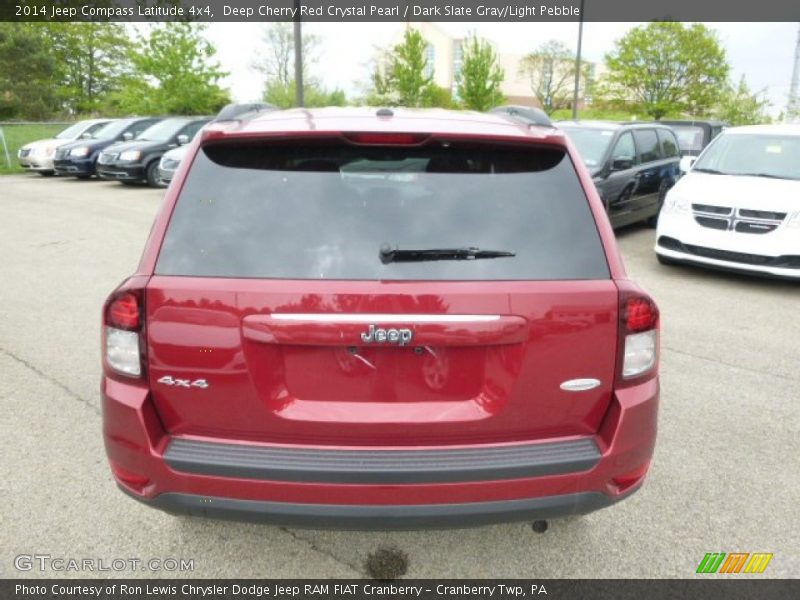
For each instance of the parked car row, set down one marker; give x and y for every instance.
(132, 150)
(125, 150)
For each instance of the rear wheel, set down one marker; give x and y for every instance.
(83, 176)
(46, 173)
(152, 174)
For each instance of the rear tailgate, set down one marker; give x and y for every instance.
(461, 379)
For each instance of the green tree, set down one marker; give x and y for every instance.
(174, 72)
(667, 67)
(276, 61)
(478, 82)
(740, 106)
(283, 96)
(27, 72)
(550, 69)
(403, 78)
(92, 59)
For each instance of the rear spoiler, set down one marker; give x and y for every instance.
(526, 115)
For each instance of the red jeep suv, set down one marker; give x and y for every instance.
(360, 318)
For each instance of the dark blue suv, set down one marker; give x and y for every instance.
(79, 158)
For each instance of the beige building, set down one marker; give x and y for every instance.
(444, 54)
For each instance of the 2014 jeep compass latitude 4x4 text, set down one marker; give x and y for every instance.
(354, 318)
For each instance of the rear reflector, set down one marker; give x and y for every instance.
(123, 312)
(129, 479)
(627, 480)
(387, 139)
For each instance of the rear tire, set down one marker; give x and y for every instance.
(83, 176)
(152, 174)
(46, 173)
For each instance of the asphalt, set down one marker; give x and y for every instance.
(725, 478)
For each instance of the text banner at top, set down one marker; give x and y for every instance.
(252, 11)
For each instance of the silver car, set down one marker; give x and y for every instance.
(38, 156)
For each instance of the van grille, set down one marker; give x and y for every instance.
(741, 220)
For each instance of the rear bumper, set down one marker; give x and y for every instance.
(387, 516)
(383, 488)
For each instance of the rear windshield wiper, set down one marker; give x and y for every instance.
(390, 255)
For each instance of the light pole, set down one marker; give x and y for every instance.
(298, 56)
(577, 67)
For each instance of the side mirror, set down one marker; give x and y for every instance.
(183, 139)
(686, 163)
(127, 136)
(621, 163)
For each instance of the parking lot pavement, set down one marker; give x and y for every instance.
(725, 476)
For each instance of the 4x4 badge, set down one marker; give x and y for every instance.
(187, 383)
(393, 336)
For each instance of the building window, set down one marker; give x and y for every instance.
(430, 57)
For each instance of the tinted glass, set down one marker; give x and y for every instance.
(192, 129)
(647, 145)
(324, 212)
(766, 155)
(624, 148)
(73, 131)
(669, 145)
(591, 143)
(139, 127)
(163, 131)
(112, 130)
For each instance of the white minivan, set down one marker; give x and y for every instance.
(738, 206)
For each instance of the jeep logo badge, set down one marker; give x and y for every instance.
(391, 336)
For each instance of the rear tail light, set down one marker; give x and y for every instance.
(123, 320)
(639, 322)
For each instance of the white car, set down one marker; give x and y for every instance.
(738, 206)
(38, 156)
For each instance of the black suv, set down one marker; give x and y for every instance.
(632, 165)
(137, 161)
(79, 158)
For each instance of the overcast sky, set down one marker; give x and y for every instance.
(763, 52)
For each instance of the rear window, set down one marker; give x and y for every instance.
(324, 211)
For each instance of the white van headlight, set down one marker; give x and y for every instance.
(674, 203)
